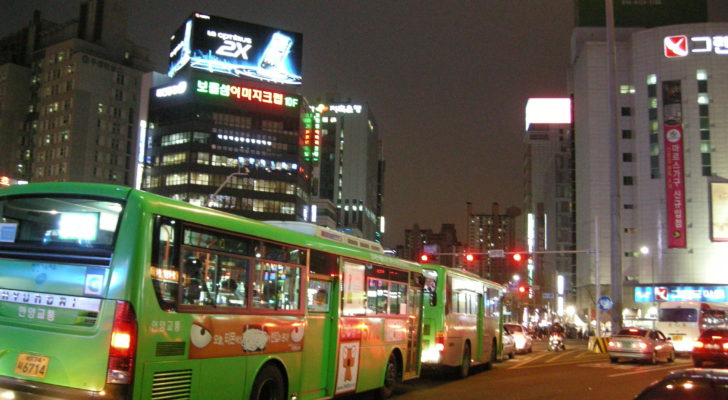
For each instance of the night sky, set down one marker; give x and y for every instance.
(447, 82)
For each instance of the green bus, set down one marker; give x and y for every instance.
(462, 322)
(111, 292)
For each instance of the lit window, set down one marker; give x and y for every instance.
(703, 98)
(652, 79)
(701, 75)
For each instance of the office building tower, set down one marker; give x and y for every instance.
(225, 132)
(350, 170)
(80, 112)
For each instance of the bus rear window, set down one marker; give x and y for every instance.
(678, 315)
(62, 223)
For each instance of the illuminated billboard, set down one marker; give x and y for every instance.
(241, 49)
(548, 111)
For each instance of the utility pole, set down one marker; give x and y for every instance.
(614, 195)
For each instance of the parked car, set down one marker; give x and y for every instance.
(688, 384)
(509, 345)
(524, 342)
(641, 344)
(711, 346)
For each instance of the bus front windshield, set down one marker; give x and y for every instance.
(678, 315)
(58, 223)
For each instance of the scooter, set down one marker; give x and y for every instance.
(556, 342)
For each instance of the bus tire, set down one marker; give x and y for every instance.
(493, 355)
(391, 377)
(464, 369)
(268, 385)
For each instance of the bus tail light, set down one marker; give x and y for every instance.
(122, 348)
(440, 341)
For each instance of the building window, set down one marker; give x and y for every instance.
(627, 157)
(626, 134)
(626, 111)
(628, 180)
(629, 206)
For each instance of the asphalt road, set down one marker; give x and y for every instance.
(572, 374)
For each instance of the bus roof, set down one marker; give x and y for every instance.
(202, 215)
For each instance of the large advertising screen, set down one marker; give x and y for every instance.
(241, 49)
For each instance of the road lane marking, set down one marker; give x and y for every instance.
(558, 357)
(524, 362)
(644, 370)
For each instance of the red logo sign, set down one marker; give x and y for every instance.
(676, 46)
(661, 294)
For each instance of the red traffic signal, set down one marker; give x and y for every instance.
(469, 257)
(517, 257)
(523, 289)
(425, 258)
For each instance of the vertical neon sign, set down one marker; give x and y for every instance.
(311, 146)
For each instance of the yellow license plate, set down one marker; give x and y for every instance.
(30, 365)
(677, 338)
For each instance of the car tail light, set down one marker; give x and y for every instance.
(122, 348)
(725, 346)
(643, 345)
(440, 341)
(611, 343)
(698, 345)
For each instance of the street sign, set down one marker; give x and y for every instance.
(496, 253)
(547, 296)
(605, 303)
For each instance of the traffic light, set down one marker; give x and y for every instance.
(523, 290)
(517, 257)
(469, 257)
(426, 258)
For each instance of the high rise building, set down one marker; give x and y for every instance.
(420, 241)
(350, 170)
(550, 200)
(224, 127)
(673, 120)
(78, 120)
(494, 231)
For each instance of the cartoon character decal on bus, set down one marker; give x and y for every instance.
(222, 336)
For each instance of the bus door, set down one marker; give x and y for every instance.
(319, 349)
(414, 329)
(481, 333)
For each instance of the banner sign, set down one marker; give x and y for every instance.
(649, 294)
(674, 164)
(225, 46)
(719, 211)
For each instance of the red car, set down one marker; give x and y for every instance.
(711, 346)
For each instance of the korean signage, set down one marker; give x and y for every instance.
(719, 211)
(681, 45)
(649, 294)
(224, 46)
(246, 94)
(674, 164)
(311, 146)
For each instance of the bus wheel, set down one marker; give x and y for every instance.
(268, 385)
(493, 355)
(464, 369)
(391, 377)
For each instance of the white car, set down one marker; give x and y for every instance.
(509, 345)
(521, 336)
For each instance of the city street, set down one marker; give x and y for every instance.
(573, 374)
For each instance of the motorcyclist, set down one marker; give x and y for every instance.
(556, 339)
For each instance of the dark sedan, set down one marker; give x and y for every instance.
(712, 346)
(689, 384)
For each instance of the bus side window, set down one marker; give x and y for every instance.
(164, 272)
(318, 295)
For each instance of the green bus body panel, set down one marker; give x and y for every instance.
(78, 345)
